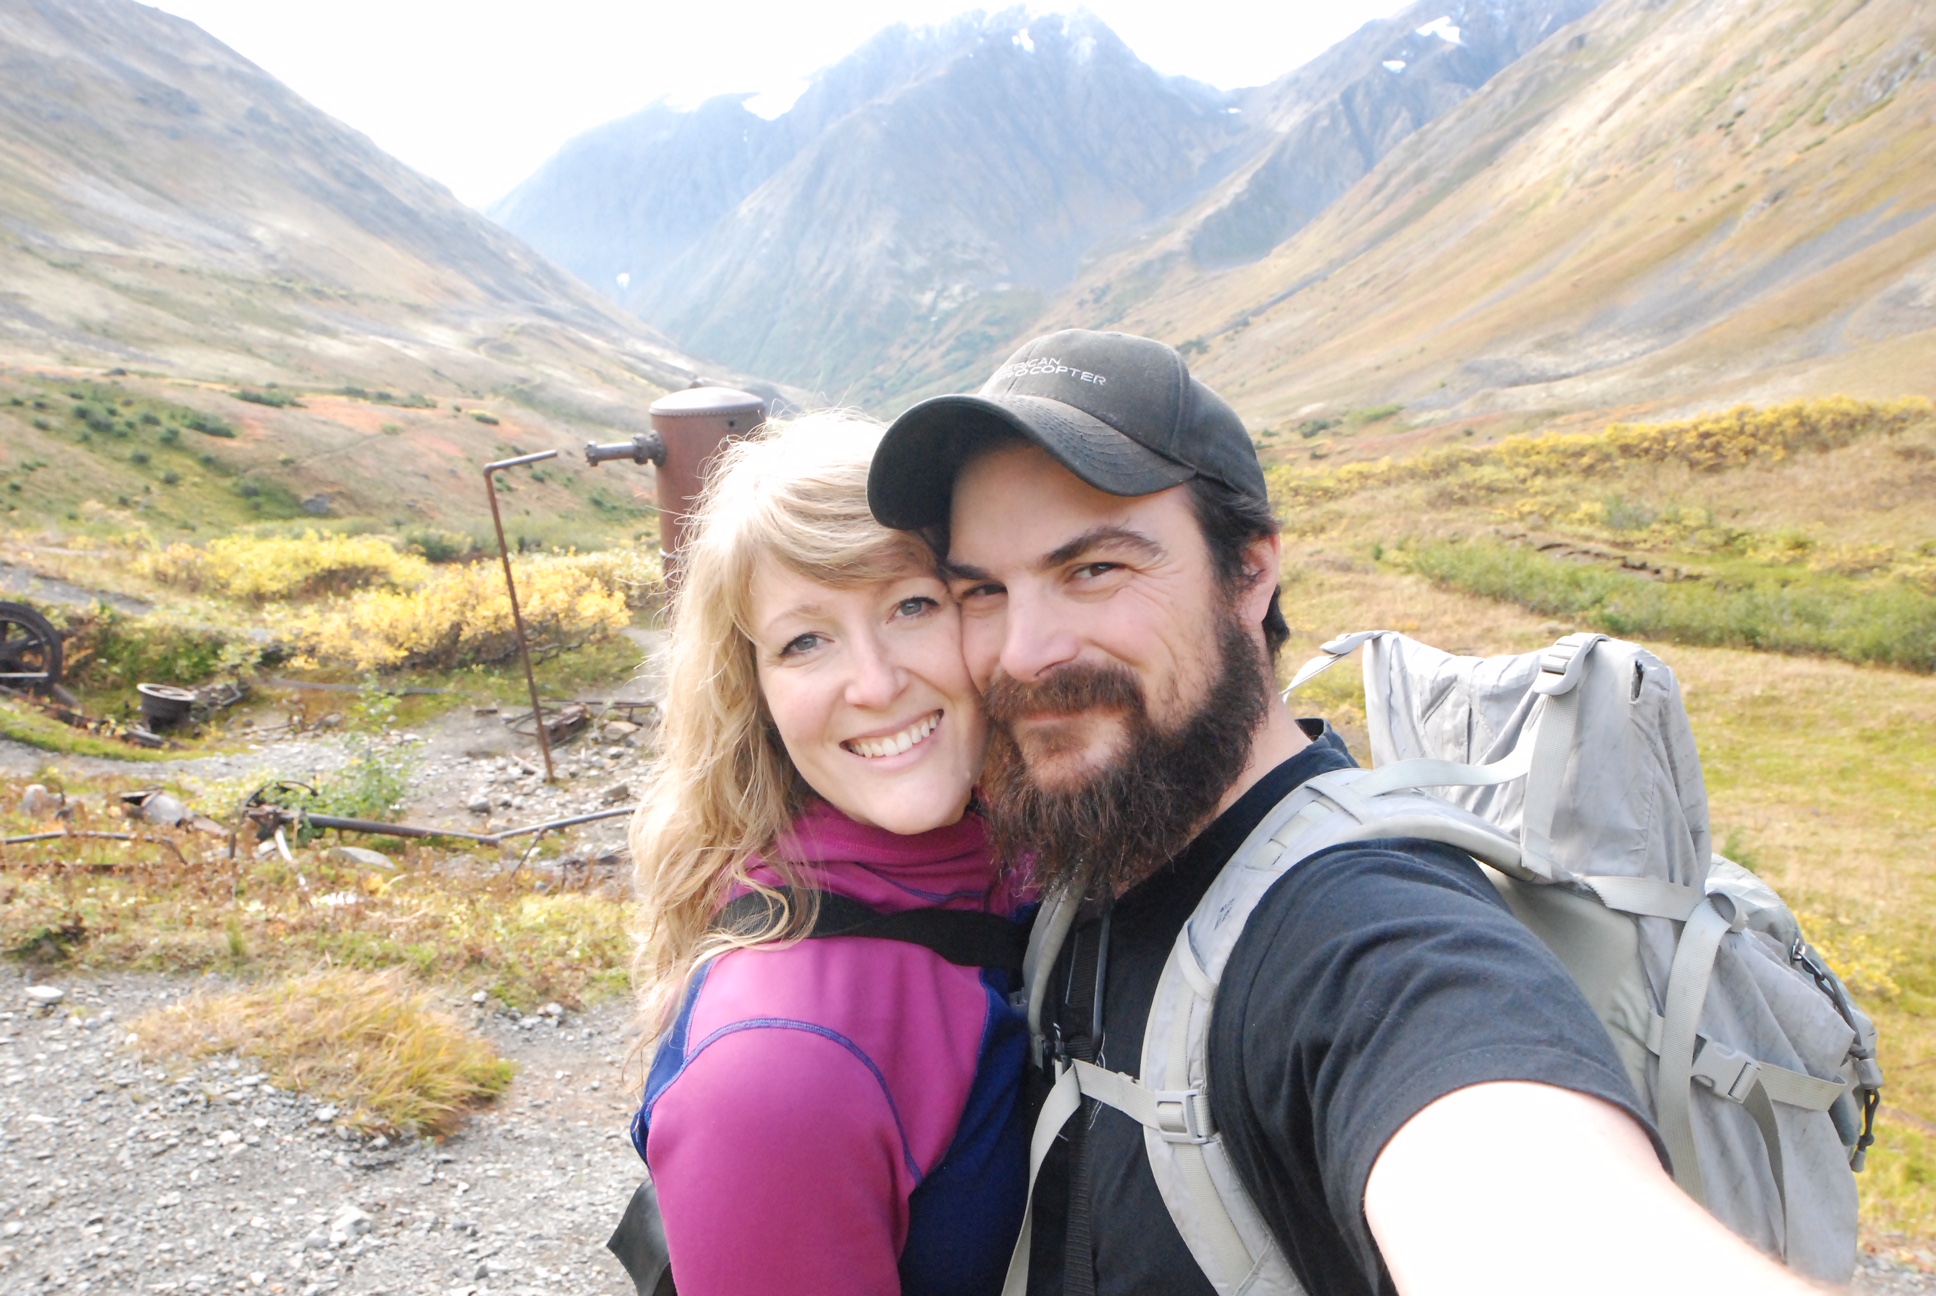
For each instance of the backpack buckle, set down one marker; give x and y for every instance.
(1728, 1072)
(1183, 1116)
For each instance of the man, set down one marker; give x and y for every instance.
(1413, 1090)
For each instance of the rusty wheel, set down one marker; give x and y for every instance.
(30, 649)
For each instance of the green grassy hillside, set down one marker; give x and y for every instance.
(173, 459)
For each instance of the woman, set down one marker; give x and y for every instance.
(821, 1115)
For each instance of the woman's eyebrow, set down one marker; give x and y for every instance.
(1103, 537)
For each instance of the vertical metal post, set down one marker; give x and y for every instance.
(511, 586)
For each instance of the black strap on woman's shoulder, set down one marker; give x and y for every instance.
(966, 938)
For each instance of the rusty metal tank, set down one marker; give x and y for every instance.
(692, 424)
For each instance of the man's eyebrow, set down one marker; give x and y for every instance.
(959, 571)
(1103, 537)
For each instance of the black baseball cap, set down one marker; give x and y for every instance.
(1119, 411)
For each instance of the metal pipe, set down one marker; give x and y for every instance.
(393, 830)
(94, 836)
(376, 829)
(511, 585)
(564, 823)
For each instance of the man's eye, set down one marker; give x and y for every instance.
(1089, 571)
(987, 589)
(800, 644)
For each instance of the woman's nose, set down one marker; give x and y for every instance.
(876, 680)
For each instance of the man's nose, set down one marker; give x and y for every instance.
(1035, 640)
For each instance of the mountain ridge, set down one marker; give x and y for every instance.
(929, 197)
(1645, 213)
(164, 203)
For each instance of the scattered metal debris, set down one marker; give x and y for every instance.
(166, 810)
(559, 728)
(164, 706)
(273, 820)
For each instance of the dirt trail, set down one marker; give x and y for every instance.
(116, 1177)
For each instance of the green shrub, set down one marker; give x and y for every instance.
(441, 546)
(1885, 621)
(271, 397)
(107, 648)
(208, 425)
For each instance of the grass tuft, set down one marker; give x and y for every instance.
(366, 1041)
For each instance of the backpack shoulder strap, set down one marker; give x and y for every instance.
(966, 938)
(1212, 1210)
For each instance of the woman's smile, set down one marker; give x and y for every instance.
(893, 744)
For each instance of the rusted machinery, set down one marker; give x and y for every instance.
(30, 650)
(688, 427)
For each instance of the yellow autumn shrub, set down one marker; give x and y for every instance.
(461, 615)
(267, 569)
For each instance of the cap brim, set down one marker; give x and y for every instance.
(911, 483)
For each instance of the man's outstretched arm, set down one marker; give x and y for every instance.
(1508, 1188)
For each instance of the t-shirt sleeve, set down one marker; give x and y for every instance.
(1371, 981)
(780, 1167)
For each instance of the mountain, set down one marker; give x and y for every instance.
(1667, 204)
(166, 205)
(920, 207)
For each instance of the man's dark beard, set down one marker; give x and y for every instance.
(1130, 818)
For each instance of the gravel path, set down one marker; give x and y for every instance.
(116, 1178)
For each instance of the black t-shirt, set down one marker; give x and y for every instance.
(1370, 981)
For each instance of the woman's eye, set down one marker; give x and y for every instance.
(916, 606)
(800, 644)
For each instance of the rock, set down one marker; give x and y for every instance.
(349, 1222)
(334, 720)
(479, 997)
(44, 996)
(479, 804)
(616, 793)
(364, 856)
(616, 729)
(325, 1114)
(317, 506)
(552, 1010)
(38, 803)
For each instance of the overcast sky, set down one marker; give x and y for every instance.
(478, 93)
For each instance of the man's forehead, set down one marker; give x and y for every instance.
(1017, 504)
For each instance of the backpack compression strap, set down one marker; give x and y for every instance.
(966, 938)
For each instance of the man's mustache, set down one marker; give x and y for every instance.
(1067, 690)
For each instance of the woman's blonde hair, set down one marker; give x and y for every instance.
(724, 789)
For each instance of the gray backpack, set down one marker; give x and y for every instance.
(1571, 776)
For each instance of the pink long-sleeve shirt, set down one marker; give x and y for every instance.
(842, 1115)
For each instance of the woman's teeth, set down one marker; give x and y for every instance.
(894, 744)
